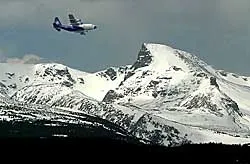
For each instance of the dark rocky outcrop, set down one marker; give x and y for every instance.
(111, 96)
(144, 58)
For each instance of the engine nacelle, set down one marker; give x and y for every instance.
(88, 26)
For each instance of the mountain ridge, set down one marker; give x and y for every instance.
(167, 96)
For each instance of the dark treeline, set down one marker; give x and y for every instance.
(95, 139)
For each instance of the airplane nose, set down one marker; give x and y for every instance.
(95, 27)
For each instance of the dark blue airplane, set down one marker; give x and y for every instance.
(75, 25)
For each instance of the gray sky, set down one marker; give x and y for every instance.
(217, 31)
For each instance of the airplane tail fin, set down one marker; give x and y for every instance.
(57, 24)
(57, 21)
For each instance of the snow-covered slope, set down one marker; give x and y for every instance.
(167, 96)
(17, 76)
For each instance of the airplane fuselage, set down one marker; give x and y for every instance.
(78, 28)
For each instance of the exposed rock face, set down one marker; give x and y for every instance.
(111, 96)
(213, 82)
(144, 58)
(111, 73)
(50, 71)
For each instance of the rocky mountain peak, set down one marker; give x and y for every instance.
(144, 58)
(56, 71)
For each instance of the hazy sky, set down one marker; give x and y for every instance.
(217, 31)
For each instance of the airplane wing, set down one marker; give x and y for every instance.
(74, 21)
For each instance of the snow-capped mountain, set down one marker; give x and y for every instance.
(169, 82)
(167, 96)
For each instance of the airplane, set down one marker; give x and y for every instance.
(76, 25)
